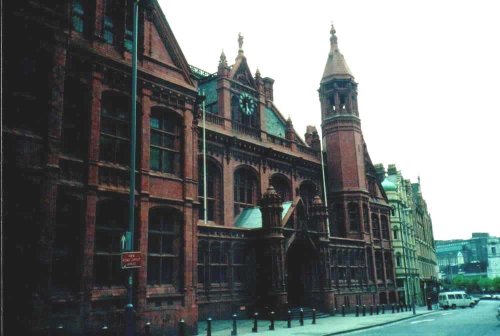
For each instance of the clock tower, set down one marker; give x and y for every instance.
(344, 145)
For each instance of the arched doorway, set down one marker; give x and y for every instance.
(302, 272)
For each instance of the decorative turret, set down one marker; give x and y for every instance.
(271, 208)
(336, 65)
(259, 81)
(268, 88)
(223, 69)
(380, 171)
(318, 215)
(290, 132)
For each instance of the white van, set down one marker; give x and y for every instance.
(455, 299)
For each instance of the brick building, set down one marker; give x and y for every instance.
(264, 239)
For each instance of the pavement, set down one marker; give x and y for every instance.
(326, 326)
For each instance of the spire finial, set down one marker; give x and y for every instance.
(257, 73)
(240, 41)
(222, 59)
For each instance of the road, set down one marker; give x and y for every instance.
(479, 321)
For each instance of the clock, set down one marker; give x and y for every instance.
(247, 104)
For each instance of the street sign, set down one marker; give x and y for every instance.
(131, 260)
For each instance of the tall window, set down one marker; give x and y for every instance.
(388, 265)
(339, 219)
(379, 266)
(66, 261)
(385, 227)
(239, 263)
(218, 263)
(128, 35)
(202, 262)
(214, 192)
(307, 193)
(115, 128)
(375, 226)
(74, 130)
(109, 27)
(77, 15)
(366, 218)
(165, 141)
(353, 211)
(245, 189)
(164, 246)
(282, 187)
(111, 224)
(398, 259)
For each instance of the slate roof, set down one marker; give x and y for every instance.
(251, 218)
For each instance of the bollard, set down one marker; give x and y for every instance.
(234, 332)
(182, 328)
(393, 308)
(271, 327)
(364, 310)
(314, 316)
(357, 310)
(334, 311)
(209, 326)
(289, 319)
(147, 329)
(383, 308)
(343, 310)
(371, 310)
(255, 326)
(429, 303)
(301, 316)
(378, 309)
(397, 308)
(59, 330)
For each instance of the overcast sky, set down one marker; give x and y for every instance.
(428, 74)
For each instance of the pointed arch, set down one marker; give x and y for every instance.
(282, 185)
(246, 191)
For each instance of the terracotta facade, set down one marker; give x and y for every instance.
(267, 242)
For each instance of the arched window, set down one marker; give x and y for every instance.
(398, 259)
(379, 265)
(307, 192)
(375, 226)
(245, 189)
(385, 227)
(111, 224)
(164, 247)
(214, 192)
(282, 186)
(395, 233)
(353, 211)
(115, 128)
(165, 141)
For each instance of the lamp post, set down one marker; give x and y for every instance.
(129, 308)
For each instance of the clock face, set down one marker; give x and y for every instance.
(247, 104)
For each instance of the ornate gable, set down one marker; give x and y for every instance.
(160, 43)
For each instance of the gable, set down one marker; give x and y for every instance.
(158, 50)
(165, 48)
(241, 73)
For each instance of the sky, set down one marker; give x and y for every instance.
(428, 75)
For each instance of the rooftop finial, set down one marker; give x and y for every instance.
(240, 41)
(222, 59)
(333, 37)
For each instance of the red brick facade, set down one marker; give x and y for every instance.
(65, 165)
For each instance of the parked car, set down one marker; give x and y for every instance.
(455, 299)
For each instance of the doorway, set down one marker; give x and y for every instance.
(302, 273)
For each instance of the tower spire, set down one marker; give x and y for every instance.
(336, 66)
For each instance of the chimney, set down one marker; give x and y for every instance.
(380, 171)
(309, 135)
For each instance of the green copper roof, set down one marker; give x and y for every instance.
(274, 125)
(251, 218)
(210, 90)
(388, 185)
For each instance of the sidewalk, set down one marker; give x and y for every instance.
(324, 326)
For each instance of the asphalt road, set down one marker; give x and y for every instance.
(478, 321)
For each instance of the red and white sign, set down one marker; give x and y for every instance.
(131, 260)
